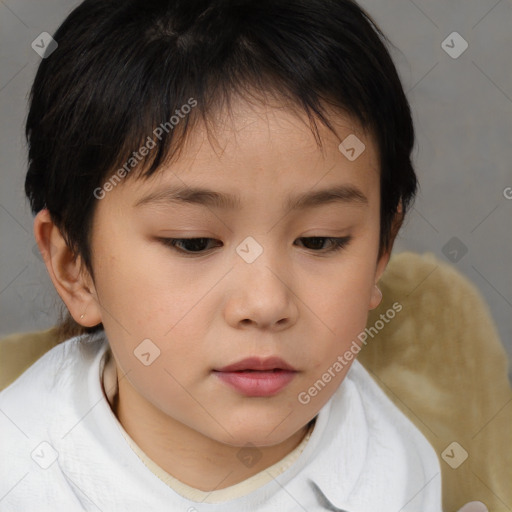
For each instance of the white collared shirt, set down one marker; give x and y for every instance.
(63, 450)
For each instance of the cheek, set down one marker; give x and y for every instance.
(340, 300)
(140, 289)
(344, 312)
(151, 301)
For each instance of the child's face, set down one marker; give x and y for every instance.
(296, 301)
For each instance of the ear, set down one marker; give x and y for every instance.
(71, 280)
(384, 256)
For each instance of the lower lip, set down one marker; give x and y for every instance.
(257, 383)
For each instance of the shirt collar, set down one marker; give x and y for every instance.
(367, 456)
(335, 455)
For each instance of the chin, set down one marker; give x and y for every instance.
(259, 434)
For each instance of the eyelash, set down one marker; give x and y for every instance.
(337, 244)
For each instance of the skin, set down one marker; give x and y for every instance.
(296, 301)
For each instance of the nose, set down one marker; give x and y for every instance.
(261, 296)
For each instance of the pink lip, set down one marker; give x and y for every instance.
(257, 363)
(257, 377)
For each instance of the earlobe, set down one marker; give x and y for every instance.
(376, 297)
(72, 282)
(376, 293)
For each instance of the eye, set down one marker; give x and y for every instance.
(317, 243)
(188, 245)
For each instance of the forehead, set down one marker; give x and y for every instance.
(257, 152)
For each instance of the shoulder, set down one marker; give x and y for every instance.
(53, 370)
(20, 350)
(385, 457)
(40, 395)
(36, 407)
(389, 426)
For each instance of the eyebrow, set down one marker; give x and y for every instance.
(201, 196)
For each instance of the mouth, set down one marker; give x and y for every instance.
(255, 377)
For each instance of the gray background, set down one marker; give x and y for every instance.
(463, 115)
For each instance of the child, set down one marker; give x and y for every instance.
(217, 187)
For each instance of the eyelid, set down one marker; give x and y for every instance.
(171, 242)
(338, 243)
